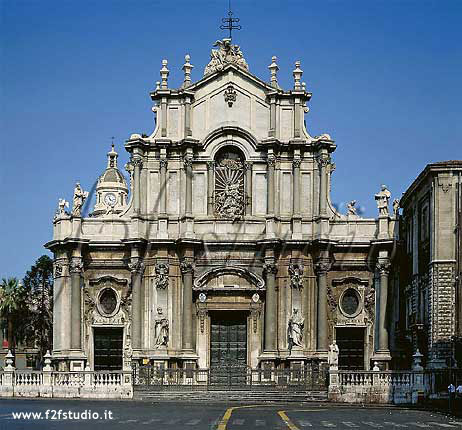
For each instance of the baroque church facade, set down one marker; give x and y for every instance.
(223, 249)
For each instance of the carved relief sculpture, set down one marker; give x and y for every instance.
(225, 54)
(161, 276)
(230, 95)
(351, 208)
(296, 325)
(229, 186)
(296, 273)
(161, 329)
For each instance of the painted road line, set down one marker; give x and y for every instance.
(153, 420)
(171, 422)
(328, 424)
(349, 424)
(260, 423)
(193, 422)
(238, 422)
(226, 417)
(449, 426)
(420, 425)
(287, 421)
(391, 423)
(372, 424)
(305, 423)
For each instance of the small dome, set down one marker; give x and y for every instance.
(112, 174)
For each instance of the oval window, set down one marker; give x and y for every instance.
(108, 301)
(350, 302)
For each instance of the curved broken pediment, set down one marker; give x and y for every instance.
(255, 281)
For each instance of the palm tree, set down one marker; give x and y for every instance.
(13, 308)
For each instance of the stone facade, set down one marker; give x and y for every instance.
(228, 217)
(431, 264)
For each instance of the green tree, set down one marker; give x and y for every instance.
(39, 283)
(14, 309)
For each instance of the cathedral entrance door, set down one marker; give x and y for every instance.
(228, 348)
(108, 348)
(350, 341)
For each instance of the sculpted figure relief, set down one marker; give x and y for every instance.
(226, 53)
(351, 208)
(296, 273)
(296, 324)
(382, 199)
(395, 207)
(79, 198)
(332, 356)
(161, 329)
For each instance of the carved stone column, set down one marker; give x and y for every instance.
(137, 164)
(270, 188)
(188, 172)
(163, 185)
(270, 306)
(76, 268)
(187, 269)
(322, 268)
(323, 163)
(210, 186)
(136, 267)
(383, 266)
(296, 166)
(248, 181)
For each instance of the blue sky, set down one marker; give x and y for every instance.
(385, 77)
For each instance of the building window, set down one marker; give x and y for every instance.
(229, 184)
(424, 224)
(108, 301)
(350, 302)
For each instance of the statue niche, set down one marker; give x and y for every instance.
(229, 184)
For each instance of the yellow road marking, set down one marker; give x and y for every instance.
(287, 421)
(227, 416)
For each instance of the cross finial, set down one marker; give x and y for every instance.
(230, 23)
(112, 139)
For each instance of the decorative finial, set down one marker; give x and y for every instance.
(112, 156)
(229, 23)
(187, 67)
(274, 70)
(297, 76)
(164, 72)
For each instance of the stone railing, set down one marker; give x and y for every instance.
(49, 383)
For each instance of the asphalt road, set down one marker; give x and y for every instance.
(64, 414)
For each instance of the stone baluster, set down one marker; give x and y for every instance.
(187, 270)
(187, 67)
(297, 76)
(76, 268)
(164, 72)
(273, 67)
(322, 268)
(270, 269)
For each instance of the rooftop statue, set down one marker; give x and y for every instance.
(227, 53)
(383, 198)
(79, 198)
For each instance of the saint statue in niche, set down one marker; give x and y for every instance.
(161, 329)
(296, 324)
(332, 355)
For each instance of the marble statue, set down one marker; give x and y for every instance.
(161, 329)
(79, 198)
(296, 323)
(351, 208)
(62, 205)
(296, 273)
(332, 355)
(226, 53)
(383, 198)
(395, 207)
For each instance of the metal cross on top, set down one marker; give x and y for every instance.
(229, 23)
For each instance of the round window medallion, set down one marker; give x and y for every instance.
(350, 302)
(108, 301)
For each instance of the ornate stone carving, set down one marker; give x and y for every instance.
(322, 266)
(271, 161)
(58, 270)
(186, 266)
(331, 301)
(76, 265)
(296, 274)
(137, 162)
(323, 161)
(210, 165)
(187, 162)
(295, 329)
(202, 314)
(369, 302)
(79, 198)
(248, 165)
(229, 186)
(351, 208)
(62, 205)
(230, 95)
(382, 198)
(161, 329)
(163, 163)
(227, 53)
(296, 162)
(252, 278)
(332, 355)
(395, 207)
(255, 314)
(383, 267)
(136, 265)
(162, 270)
(270, 268)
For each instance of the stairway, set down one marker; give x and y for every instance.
(241, 396)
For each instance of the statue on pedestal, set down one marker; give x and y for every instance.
(382, 199)
(332, 355)
(296, 323)
(79, 198)
(161, 329)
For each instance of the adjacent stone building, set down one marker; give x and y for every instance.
(223, 249)
(431, 264)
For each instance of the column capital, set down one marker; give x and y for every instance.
(271, 161)
(163, 163)
(383, 266)
(210, 165)
(296, 162)
(76, 265)
(269, 267)
(323, 160)
(136, 265)
(187, 266)
(137, 162)
(187, 162)
(248, 165)
(322, 266)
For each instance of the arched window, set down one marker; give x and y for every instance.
(229, 183)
